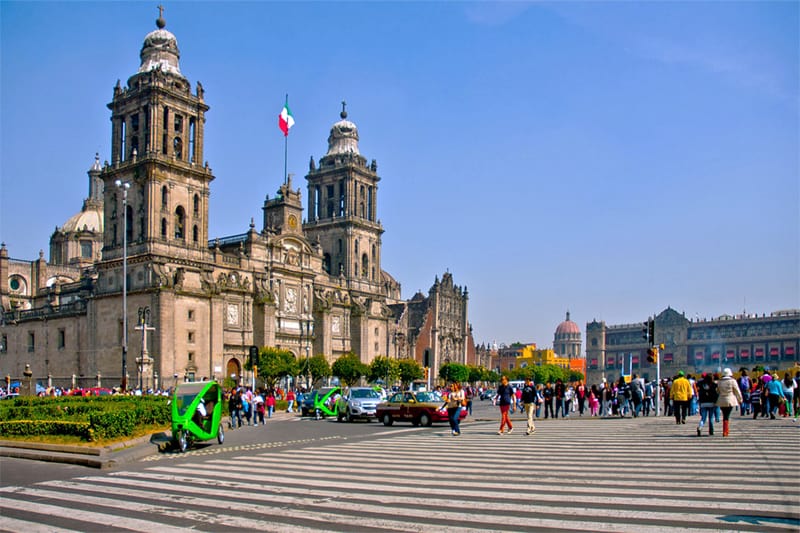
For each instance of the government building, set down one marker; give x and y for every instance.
(135, 287)
(694, 346)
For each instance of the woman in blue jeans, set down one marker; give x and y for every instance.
(455, 401)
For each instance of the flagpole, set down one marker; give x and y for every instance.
(285, 149)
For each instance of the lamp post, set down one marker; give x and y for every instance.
(308, 349)
(124, 186)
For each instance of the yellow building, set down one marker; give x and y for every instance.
(532, 356)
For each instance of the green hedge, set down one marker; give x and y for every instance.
(103, 417)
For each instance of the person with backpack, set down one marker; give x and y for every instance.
(744, 388)
(707, 397)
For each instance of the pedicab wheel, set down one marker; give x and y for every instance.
(387, 420)
(220, 435)
(182, 440)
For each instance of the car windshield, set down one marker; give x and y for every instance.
(429, 397)
(364, 393)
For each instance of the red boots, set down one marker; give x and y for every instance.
(725, 427)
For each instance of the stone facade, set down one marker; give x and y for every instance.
(312, 287)
(694, 346)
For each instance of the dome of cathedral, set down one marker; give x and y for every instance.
(568, 327)
(160, 51)
(344, 137)
(87, 220)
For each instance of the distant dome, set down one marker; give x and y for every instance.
(344, 137)
(87, 220)
(160, 51)
(568, 327)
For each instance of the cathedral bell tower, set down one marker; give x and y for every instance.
(342, 207)
(157, 149)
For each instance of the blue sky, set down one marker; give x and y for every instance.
(606, 158)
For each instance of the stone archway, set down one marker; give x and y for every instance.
(233, 370)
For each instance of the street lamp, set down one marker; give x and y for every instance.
(308, 349)
(124, 186)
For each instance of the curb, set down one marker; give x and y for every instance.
(102, 458)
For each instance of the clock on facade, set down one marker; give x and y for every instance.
(292, 221)
(233, 314)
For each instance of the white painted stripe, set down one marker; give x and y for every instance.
(12, 525)
(448, 510)
(71, 513)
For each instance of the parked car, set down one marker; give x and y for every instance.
(488, 394)
(420, 408)
(357, 402)
(321, 402)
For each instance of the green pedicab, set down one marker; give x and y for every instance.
(196, 413)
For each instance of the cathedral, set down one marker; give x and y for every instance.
(137, 293)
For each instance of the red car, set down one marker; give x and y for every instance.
(420, 408)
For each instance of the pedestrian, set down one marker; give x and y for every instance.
(548, 400)
(594, 402)
(270, 402)
(755, 398)
(580, 392)
(247, 409)
(529, 404)
(744, 388)
(637, 394)
(623, 397)
(681, 395)
(707, 394)
(258, 402)
(559, 392)
(455, 402)
(776, 396)
(235, 408)
(469, 394)
(290, 397)
(789, 391)
(729, 397)
(505, 399)
(539, 399)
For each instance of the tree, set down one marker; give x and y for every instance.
(383, 369)
(273, 364)
(408, 371)
(476, 374)
(317, 367)
(349, 369)
(454, 372)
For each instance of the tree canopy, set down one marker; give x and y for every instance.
(349, 369)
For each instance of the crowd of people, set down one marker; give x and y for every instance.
(711, 395)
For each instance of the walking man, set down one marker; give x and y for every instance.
(529, 404)
(681, 395)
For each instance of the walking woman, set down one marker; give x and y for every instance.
(505, 399)
(729, 397)
(455, 402)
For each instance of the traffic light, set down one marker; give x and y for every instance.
(652, 355)
(427, 370)
(649, 331)
(253, 356)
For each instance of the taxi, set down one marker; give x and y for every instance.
(421, 408)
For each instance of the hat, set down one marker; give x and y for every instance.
(680, 373)
(727, 373)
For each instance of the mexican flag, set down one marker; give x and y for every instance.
(285, 119)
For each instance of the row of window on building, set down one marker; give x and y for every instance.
(703, 356)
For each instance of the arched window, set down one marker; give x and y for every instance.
(364, 266)
(196, 205)
(180, 221)
(326, 263)
(163, 228)
(195, 234)
(164, 197)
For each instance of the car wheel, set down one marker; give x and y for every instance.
(425, 419)
(304, 411)
(387, 420)
(182, 441)
(220, 435)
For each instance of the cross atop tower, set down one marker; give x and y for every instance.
(343, 114)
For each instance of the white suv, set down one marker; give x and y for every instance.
(358, 402)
